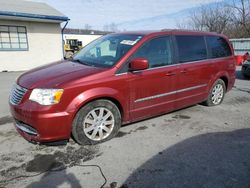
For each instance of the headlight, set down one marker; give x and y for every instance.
(46, 96)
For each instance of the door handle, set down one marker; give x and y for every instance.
(184, 71)
(170, 73)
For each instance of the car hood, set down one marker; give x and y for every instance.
(55, 74)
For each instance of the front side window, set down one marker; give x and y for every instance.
(13, 38)
(157, 51)
(106, 51)
(191, 48)
(218, 47)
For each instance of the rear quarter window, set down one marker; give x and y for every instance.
(218, 47)
(191, 48)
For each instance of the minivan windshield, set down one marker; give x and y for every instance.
(106, 51)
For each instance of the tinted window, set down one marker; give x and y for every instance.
(191, 48)
(218, 47)
(157, 51)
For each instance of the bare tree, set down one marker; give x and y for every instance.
(232, 19)
(211, 18)
(87, 27)
(241, 18)
(105, 27)
(183, 24)
(111, 27)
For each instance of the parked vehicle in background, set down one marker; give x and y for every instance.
(240, 59)
(71, 46)
(121, 78)
(245, 69)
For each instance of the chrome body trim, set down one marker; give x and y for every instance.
(178, 64)
(26, 129)
(119, 74)
(169, 93)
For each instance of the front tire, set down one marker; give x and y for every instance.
(96, 122)
(216, 94)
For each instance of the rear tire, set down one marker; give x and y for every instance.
(96, 122)
(216, 94)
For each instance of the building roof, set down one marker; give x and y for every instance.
(84, 31)
(241, 39)
(30, 11)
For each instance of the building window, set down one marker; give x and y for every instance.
(13, 38)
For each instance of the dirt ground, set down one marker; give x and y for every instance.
(194, 147)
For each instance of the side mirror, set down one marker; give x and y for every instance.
(138, 64)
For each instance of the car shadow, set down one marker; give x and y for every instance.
(55, 180)
(167, 113)
(213, 160)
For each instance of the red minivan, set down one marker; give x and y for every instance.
(121, 78)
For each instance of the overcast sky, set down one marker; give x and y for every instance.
(127, 14)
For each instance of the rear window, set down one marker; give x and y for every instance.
(218, 47)
(191, 48)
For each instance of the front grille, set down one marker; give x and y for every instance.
(17, 94)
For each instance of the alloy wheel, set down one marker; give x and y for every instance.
(217, 93)
(98, 123)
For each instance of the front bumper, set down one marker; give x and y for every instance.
(37, 123)
(26, 131)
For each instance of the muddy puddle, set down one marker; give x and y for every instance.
(42, 161)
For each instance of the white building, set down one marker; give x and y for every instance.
(83, 35)
(84, 38)
(241, 46)
(30, 34)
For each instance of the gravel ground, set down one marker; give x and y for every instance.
(194, 147)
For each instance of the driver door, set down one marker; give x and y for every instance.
(152, 91)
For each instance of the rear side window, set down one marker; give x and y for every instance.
(218, 47)
(191, 48)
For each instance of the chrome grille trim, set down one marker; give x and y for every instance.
(17, 94)
(26, 128)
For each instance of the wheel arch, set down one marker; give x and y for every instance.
(112, 99)
(223, 75)
(77, 132)
(225, 80)
(97, 94)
